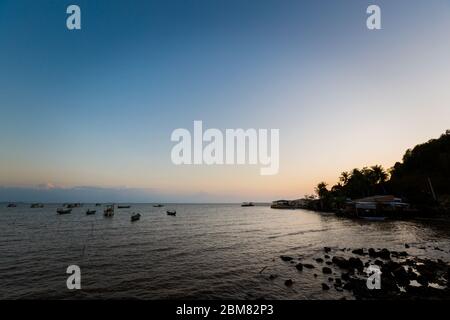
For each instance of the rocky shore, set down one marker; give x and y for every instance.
(403, 276)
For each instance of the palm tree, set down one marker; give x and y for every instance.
(322, 190)
(344, 177)
(379, 174)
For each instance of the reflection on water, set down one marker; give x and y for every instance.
(205, 252)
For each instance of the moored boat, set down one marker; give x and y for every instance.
(158, 205)
(109, 211)
(73, 205)
(171, 212)
(12, 205)
(124, 207)
(247, 204)
(36, 205)
(135, 217)
(89, 212)
(64, 210)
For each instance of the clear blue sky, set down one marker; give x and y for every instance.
(95, 108)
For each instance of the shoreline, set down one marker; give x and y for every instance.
(394, 217)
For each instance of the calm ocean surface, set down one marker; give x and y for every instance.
(205, 252)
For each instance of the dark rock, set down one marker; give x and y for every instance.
(389, 267)
(299, 266)
(385, 254)
(359, 287)
(406, 246)
(338, 281)
(410, 262)
(428, 292)
(358, 252)
(273, 276)
(388, 284)
(308, 266)
(330, 279)
(345, 277)
(319, 260)
(326, 256)
(378, 263)
(401, 276)
(325, 286)
(286, 258)
(422, 280)
(428, 276)
(326, 270)
(329, 263)
(288, 283)
(341, 262)
(356, 263)
(411, 274)
(348, 286)
(327, 249)
(315, 275)
(430, 270)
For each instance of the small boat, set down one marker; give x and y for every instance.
(73, 205)
(88, 212)
(36, 205)
(98, 204)
(63, 211)
(109, 211)
(135, 217)
(158, 206)
(171, 213)
(247, 204)
(12, 205)
(123, 207)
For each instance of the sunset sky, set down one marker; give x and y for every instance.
(88, 114)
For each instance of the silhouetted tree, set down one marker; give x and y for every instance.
(424, 168)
